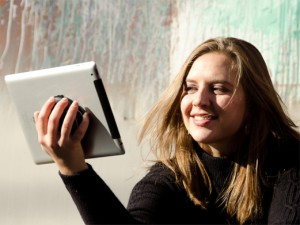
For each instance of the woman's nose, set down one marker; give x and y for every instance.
(201, 98)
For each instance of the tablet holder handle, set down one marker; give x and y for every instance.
(108, 111)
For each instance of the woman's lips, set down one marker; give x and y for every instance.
(201, 120)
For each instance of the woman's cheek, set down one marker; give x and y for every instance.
(186, 108)
(184, 104)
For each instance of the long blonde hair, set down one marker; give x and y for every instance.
(174, 147)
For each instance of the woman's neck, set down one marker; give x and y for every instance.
(224, 148)
(217, 151)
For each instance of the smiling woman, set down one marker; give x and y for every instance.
(214, 105)
(223, 103)
(226, 151)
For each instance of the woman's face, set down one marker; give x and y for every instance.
(212, 111)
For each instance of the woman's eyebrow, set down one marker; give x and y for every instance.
(189, 80)
(221, 82)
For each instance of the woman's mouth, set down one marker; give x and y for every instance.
(205, 117)
(201, 120)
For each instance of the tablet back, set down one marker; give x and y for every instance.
(80, 82)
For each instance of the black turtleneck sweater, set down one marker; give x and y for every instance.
(157, 198)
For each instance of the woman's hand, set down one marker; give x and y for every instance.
(63, 147)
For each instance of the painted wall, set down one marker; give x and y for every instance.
(139, 47)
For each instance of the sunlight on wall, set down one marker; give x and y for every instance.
(272, 26)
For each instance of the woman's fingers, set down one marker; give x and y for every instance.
(69, 120)
(48, 122)
(41, 117)
(54, 118)
(81, 130)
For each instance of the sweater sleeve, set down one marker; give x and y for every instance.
(156, 198)
(95, 201)
(285, 205)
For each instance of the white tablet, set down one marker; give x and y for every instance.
(80, 82)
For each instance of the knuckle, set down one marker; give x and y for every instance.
(79, 134)
(66, 126)
(63, 140)
(47, 143)
(41, 117)
(52, 120)
(52, 145)
(41, 141)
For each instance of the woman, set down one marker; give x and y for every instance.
(226, 150)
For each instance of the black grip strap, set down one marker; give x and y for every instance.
(107, 109)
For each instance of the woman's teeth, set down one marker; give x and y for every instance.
(206, 117)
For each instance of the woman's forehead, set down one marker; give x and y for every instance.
(213, 66)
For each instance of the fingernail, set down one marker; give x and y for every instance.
(75, 103)
(64, 100)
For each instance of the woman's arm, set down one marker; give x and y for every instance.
(154, 199)
(95, 201)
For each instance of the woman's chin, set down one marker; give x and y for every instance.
(204, 139)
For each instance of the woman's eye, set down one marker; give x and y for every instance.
(219, 89)
(190, 89)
